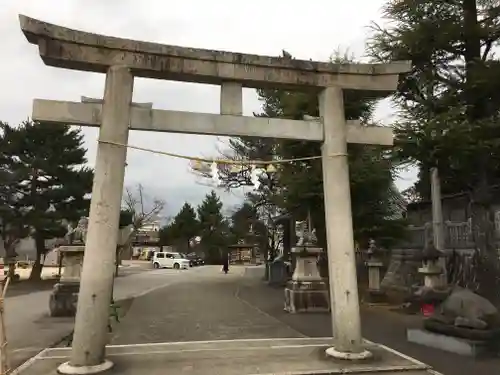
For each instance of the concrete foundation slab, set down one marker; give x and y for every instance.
(451, 344)
(231, 357)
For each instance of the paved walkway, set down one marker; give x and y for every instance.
(379, 325)
(203, 308)
(204, 326)
(30, 328)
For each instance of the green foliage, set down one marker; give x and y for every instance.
(166, 234)
(213, 228)
(450, 105)
(12, 224)
(241, 221)
(183, 228)
(450, 100)
(375, 200)
(44, 165)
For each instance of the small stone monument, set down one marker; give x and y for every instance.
(307, 291)
(64, 297)
(433, 292)
(374, 264)
(431, 270)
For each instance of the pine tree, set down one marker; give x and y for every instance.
(450, 104)
(213, 228)
(51, 179)
(12, 225)
(185, 225)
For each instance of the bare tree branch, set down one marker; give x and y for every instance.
(137, 204)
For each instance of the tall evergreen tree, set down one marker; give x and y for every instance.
(213, 228)
(450, 100)
(12, 224)
(450, 104)
(185, 226)
(51, 179)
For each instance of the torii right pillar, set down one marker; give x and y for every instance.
(339, 230)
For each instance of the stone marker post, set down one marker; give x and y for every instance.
(339, 231)
(100, 248)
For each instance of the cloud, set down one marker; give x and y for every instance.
(314, 30)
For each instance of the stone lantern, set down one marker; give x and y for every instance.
(64, 296)
(431, 269)
(374, 264)
(306, 291)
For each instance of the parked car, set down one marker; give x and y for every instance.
(169, 260)
(194, 260)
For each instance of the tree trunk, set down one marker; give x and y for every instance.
(36, 271)
(11, 270)
(10, 262)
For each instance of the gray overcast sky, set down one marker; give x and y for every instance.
(311, 30)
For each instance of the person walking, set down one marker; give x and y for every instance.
(225, 264)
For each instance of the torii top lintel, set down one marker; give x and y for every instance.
(72, 49)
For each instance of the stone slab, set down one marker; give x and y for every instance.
(72, 49)
(448, 343)
(158, 120)
(235, 357)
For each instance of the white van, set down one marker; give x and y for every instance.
(169, 260)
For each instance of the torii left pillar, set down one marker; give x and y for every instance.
(99, 261)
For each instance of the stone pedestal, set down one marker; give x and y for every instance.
(64, 297)
(306, 292)
(375, 292)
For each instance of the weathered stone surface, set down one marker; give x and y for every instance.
(72, 261)
(463, 303)
(460, 346)
(72, 49)
(402, 273)
(297, 356)
(306, 263)
(306, 296)
(279, 272)
(90, 114)
(64, 298)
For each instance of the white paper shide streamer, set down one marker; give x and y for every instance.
(255, 176)
(214, 171)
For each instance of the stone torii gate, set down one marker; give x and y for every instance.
(122, 60)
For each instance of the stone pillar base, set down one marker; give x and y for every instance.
(63, 299)
(68, 369)
(306, 297)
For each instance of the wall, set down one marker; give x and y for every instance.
(26, 249)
